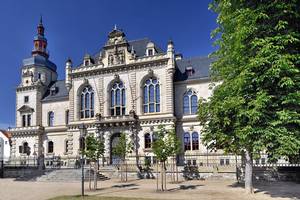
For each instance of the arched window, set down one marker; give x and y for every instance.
(195, 141)
(50, 147)
(87, 103)
(147, 141)
(151, 101)
(117, 99)
(24, 148)
(50, 118)
(190, 103)
(187, 141)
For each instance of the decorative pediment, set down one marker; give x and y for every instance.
(25, 108)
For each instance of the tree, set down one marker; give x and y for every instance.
(122, 149)
(255, 108)
(166, 144)
(94, 150)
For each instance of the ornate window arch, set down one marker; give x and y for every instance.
(187, 141)
(190, 102)
(87, 102)
(195, 141)
(151, 95)
(117, 99)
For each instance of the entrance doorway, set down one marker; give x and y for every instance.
(114, 141)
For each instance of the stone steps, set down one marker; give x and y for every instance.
(68, 175)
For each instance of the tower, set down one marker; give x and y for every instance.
(38, 72)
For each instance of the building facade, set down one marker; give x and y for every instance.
(4, 146)
(128, 87)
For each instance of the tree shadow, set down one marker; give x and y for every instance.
(124, 185)
(274, 189)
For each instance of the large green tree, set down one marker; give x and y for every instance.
(255, 105)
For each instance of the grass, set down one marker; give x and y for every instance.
(78, 197)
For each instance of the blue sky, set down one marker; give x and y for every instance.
(74, 28)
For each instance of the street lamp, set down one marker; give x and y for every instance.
(82, 130)
(134, 129)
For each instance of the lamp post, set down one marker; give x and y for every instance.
(134, 129)
(82, 130)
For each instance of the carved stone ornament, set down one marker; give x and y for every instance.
(117, 77)
(85, 81)
(150, 72)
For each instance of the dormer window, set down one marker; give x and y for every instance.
(189, 71)
(86, 63)
(53, 90)
(150, 50)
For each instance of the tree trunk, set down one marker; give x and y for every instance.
(162, 176)
(90, 181)
(165, 176)
(157, 175)
(125, 171)
(95, 175)
(248, 172)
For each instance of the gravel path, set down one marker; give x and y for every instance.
(190, 190)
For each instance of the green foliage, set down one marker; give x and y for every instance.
(94, 148)
(166, 143)
(256, 105)
(123, 147)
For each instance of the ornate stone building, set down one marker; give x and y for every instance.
(129, 86)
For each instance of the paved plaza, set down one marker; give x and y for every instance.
(194, 190)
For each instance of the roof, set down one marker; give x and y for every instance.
(139, 46)
(39, 61)
(6, 134)
(61, 92)
(199, 65)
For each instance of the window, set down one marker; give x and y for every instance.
(86, 63)
(221, 161)
(187, 141)
(66, 146)
(28, 120)
(24, 149)
(39, 76)
(50, 118)
(150, 52)
(147, 141)
(50, 147)
(195, 141)
(151, 101)
(263, 161)
(26, 99)
(194, 162)
(67, 117)
(82, 143)
(190, 103)
(227, 162)
(23, 120)
(87, 103)
(117, 99)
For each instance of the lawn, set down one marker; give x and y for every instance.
(95, 198)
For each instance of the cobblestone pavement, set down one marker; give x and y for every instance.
(194, 190)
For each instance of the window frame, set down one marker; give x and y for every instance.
(87, 103)
(50, 147)
(187, 141)
(117, 99)
(189, 106)
(151, 96)
(50, 118)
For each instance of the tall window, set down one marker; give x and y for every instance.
(50, 118)
(147, 141)
(24, 148)
(66, 146)
(29, 120)
(195, 141)
(67, 117)
(187, 141)
(87, 103)
(23, 120)
(117, 99)
(50, 147)
(190, 103)
(151, 101)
